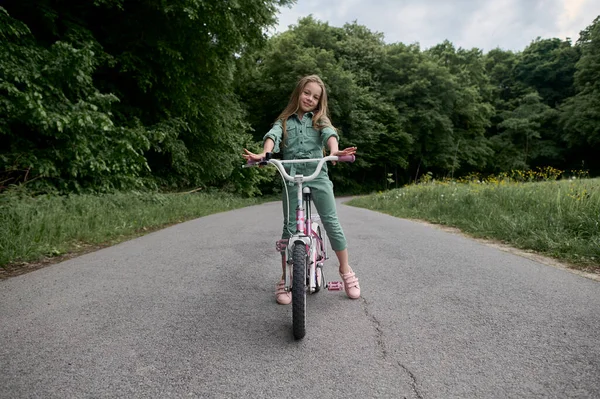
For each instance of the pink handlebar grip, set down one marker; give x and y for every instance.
(346, 158)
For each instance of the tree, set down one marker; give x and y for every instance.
(520, 141)
(445, 117)
(524, 131)
(580, 115)
(472, 110)
(548, 65)
(171, 65)
(55, 124)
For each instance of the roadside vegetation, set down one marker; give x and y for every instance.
(33, 229)
(528, 210)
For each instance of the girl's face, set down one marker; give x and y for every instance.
(309, 97)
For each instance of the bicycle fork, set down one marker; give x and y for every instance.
(286, 259)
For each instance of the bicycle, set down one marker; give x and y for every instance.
(306, 250)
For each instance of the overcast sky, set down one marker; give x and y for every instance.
(485, 24)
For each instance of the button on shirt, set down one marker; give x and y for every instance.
(303, 141)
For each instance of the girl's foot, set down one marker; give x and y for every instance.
(281, 295)
(351, 284)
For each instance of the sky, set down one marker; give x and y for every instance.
(485, 24)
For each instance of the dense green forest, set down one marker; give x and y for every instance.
(110, 95)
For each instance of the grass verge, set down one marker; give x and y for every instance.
(45, 229)
(560, 219)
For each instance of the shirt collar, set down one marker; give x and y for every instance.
(310, 114)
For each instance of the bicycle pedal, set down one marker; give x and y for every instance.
(335, 286)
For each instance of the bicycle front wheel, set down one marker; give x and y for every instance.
(299, 291)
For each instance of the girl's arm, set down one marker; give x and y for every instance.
(332, 143)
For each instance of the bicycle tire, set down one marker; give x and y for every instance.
(299, 291)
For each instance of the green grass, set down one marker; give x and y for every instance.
(556, 218)
(559, 218)
(35, 228)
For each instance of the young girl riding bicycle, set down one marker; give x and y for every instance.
(300, 132)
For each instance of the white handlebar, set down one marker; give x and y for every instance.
(279, 165)
(286, 176)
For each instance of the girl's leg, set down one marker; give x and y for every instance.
(324, 200)
(343, 259)
(325, 204)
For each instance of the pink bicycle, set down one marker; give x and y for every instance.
(306, 250)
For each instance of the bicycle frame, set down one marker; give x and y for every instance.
(305, 228)
(306, 233)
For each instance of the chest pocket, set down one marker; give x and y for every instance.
(292, 135)
(312, 132)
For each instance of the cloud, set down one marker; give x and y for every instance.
(509, 24)
(577, 15)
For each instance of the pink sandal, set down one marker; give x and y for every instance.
(281, 295)
(351, 285)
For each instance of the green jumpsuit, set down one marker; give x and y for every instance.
(304, 142)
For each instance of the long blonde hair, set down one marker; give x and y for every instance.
(320, 114)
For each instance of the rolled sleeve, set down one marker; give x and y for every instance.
(275, 134)
(326, 133)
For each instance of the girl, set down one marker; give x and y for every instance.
(300, 132)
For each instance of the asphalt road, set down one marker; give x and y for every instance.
(189, 311)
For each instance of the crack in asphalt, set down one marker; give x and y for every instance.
(378, 330)
(382, 348)
(413, 380)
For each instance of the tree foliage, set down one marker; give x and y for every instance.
(166, 70)
(55, 124)
(581, 113)
(121, 94)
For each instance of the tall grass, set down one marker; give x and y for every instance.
(560, 218)
(33, 228)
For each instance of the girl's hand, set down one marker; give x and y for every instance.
(249, 156)
(345, 151)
